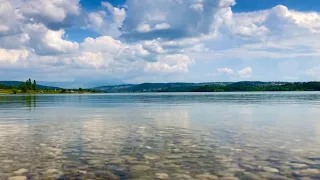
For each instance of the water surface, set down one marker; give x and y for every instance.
(164, 136)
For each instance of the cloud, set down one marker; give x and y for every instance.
(144, 28)
(48, 42)
(107, 21)
(11, 57)
(153, 47)
(133, 53)
(17, 41)
(169, 19)
(276, 33)
(225, 70)
(162, 26)
(169, 64)
(278, 22)
(49, 10)
(197, 7)
(28, 25)
(242, 73)
(107, 55)
(164, 40)
(96, 19)
(118, 14)
(101, 44)
(245, 72)
(15, 14)
(52, 13)
(9, 19)
(89, 60)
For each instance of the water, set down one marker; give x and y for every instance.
(148, 136)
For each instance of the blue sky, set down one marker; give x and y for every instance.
(241, 6)
(254, 5)
(93, 42)
(95, 4)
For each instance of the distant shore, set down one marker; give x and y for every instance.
(31, 87)
(243, 86)
(11, 91)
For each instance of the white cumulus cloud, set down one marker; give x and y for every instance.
(48, 42)
(107, 21)
(158, 39)
(175, 19)
(169, 64)
(225, 70)
(245, 72)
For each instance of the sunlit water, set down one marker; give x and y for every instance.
(160, 136)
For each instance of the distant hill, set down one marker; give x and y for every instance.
(81, 83)
(156, 87)
(192, 87)
(145, 87)
(212, 87)
(17, 83)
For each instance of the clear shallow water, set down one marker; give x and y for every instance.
(149, 136)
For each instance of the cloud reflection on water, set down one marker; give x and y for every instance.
(117, 137)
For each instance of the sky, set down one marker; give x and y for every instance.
(93, 42)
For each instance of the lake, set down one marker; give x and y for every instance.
(161, 136)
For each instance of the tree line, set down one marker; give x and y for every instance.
(29, 85)
(243, 86)
(247, 87)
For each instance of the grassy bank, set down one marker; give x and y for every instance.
(6, 91)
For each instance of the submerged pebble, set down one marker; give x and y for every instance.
(299, 166)
(18, 178)
(115, 150)
(151, 157)
(309, 172)
(162, 176)
(21, 172)
(140, 168)
(180, 176)
(206, 177)
(270, 169)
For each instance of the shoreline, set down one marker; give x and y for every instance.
(9, 91)
(173, 92)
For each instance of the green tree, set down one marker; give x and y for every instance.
(26, 85)
(24, 88)
(29, 84)
(14, 91)
(80, 89)
(34, 85)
